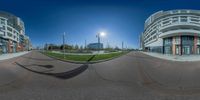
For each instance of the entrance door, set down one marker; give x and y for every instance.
(198, 50)
(4, 49)
(177, 50)
(186, 50)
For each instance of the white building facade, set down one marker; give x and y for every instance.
(12, 33)
(174, 32)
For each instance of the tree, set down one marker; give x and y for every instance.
(68, 47)
(117, 48)
(76, 47)
(81, 47)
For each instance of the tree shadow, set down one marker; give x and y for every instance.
(63, 75)
(91, 58)
(39, 59)
(44, 66)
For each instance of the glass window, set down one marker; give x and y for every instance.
(165, 22)
(177, 40)
(174, 21)
(183, 18)
(9, 34)
(194, 20)
(175, 11)
(154, 37)
(4, 28)
(168, 41)
(198, 40)
(183, 11)
(9, 29)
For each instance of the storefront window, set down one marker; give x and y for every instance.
(198, 40)
(168, 41)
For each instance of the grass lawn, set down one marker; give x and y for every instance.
(84, 57)
(107, 56)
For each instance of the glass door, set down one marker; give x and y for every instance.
(177, 50)
(168, 50)
(198, 50)
(186, 50)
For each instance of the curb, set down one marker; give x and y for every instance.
(75, 62)
(99, 61)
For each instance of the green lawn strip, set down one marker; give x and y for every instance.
(84, 57)
(69, 57)
(107, 56)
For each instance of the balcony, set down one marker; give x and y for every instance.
(178, 32)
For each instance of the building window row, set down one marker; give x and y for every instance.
(168, 22)
(175, 19)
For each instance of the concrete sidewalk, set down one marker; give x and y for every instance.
(12, 55)
(174, 57)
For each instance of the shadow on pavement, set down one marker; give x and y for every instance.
(63, 75)
(44, 66)
(39, 59)
(91, 58)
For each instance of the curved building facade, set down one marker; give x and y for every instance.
(12, 33)
(174, 32)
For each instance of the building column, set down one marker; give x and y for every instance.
(17, 47)
(9, 46)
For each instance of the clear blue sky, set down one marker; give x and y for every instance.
(122, 20)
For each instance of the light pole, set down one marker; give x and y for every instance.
(98, 36)
(64, 45)
(122, 45)
(101, 34)
(85, 44)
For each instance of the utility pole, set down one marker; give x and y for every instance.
(122, 45)
(64, 45)
(98, 36)
(85, 44)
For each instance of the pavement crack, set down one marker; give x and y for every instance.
(106, 79)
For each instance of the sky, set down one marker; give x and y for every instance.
(121, 20)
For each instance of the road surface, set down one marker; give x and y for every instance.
(134, 76)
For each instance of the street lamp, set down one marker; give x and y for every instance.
(101, 34)
(64, 45)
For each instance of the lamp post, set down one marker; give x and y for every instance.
(122, 45)
(85, 44)
(64, 45)
(98, 36)
(101, 34)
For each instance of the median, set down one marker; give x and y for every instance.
(85, 57)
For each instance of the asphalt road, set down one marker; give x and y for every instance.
(134, 76)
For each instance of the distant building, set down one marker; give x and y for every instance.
(95, 46)
(141, 40)
(27, 43)
(12, 34)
